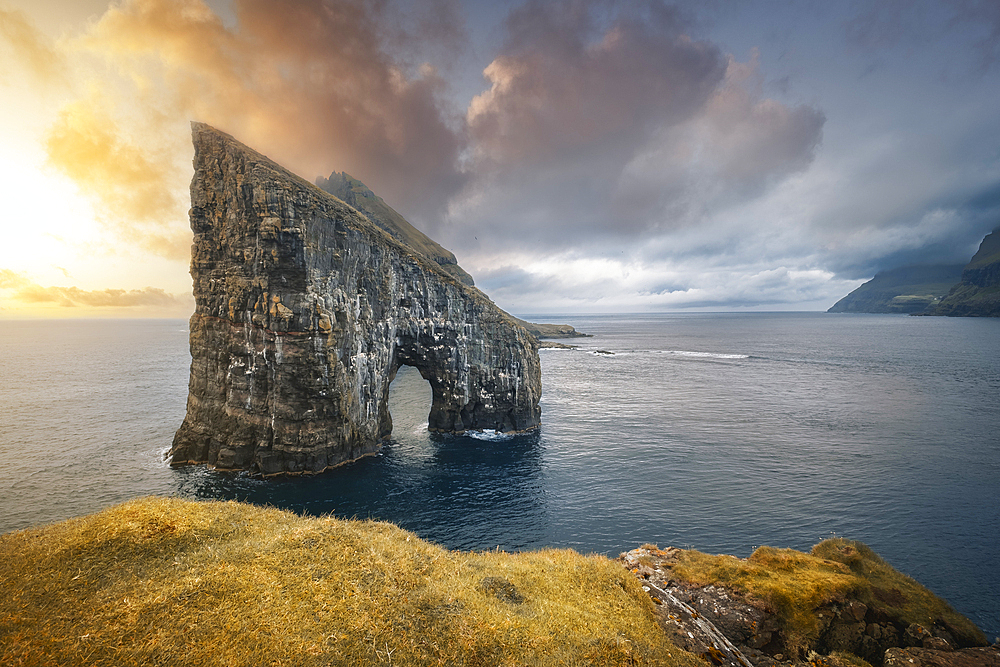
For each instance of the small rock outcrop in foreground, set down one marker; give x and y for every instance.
(839, 606)
(305, 310)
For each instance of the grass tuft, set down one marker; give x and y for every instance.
(897, 593)
(161, 581)
(791, 583)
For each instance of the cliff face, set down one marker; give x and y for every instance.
(352, 191)
(978, 293)
(304, 312)
(908, 289)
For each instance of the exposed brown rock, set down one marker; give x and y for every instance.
(988, 656)
(848, 631)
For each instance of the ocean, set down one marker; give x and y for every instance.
(720, 432)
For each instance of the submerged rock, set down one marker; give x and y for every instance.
(304, 312)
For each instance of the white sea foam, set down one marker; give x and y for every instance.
(705, 355)
(489, 434)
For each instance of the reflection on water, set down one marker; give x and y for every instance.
(459, 491)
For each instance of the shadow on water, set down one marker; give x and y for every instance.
(462, 492)
(466, 493)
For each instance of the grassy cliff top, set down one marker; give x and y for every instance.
(989, 251)
(166, 581)
(795, 585)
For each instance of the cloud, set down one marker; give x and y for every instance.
(579, 284)
(565, 88)
(12, 280)
(315, 85)
(602, 123)
(129, 180)
(984, 16)
(879, 27)
(28, 292)
(606, 124)
(32, 49)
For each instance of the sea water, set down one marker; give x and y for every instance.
(720, 432)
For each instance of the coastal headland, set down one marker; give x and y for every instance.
(169, 581)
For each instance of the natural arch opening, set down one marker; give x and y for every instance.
(409, 404)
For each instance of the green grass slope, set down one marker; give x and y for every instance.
(978, 293)
(355, 193)
(908, 289)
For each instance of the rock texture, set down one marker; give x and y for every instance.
(978, 293)
(352, 191)
(730, 629)
(908, 289)
(988, 656)
(304, 312)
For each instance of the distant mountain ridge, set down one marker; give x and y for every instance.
(978, 292)
(355, 193)
(907, 289)
(972, 290)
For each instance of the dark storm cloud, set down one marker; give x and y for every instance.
(610, 121)
(956, 227)
(889, 23)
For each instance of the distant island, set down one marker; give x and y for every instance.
(972, 290)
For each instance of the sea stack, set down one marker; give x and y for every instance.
(304, 312)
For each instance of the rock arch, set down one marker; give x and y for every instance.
(304, 312)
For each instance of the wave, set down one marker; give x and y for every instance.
(704, 355)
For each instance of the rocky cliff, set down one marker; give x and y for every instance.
(978, 293)
(304, 312)
(907, 289)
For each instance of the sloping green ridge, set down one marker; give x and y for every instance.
(355, 193)
(907, 289)
(978, 292)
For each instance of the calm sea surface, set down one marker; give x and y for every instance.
(720, 432)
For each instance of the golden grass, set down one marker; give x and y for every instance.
(169, 582)
(899, 594)
(791, 583)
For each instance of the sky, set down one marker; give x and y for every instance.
(577, 156)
